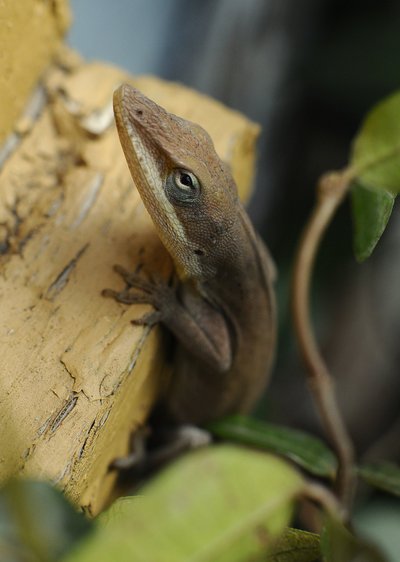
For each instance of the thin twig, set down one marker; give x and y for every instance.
(321, 494)
(332, 189)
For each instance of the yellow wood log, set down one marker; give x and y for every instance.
(30, 34)
(76, 377)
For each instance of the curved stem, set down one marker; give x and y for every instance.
(318, 493)
(331, 190)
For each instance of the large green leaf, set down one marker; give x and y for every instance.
(375, 161)
(37, 524)
(295, 546)
(219, 504)
(304, 449)
(339, 545)
(382, 475)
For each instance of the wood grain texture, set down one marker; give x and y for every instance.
(76, 377)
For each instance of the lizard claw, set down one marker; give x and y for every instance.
(109, 293)
(127, 297)
(149, 319)
(138, 454)
(134, 279)
(124, 273)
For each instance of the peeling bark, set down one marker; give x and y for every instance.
(76, 377)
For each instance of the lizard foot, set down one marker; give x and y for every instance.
(155, 291)
(150, 450)
(137, 456)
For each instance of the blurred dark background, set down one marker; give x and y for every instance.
(308, 71)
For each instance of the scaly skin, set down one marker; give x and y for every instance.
(222, 309)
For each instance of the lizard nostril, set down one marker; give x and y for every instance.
(199, 252)
(139, 112)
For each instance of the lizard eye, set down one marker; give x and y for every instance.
(182, 186)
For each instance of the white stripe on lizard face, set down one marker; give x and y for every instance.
(173, 231)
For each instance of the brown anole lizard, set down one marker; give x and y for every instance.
(221, 311)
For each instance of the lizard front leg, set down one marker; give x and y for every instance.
(195, 323)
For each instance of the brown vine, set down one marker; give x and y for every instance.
(332, 188)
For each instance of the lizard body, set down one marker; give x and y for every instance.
(221, 311)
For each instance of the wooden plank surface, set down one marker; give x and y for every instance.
(75, 376)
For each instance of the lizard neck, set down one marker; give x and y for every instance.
(234, 269)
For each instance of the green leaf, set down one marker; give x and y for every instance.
(295, 546)
(383, 475)
(222, 503)
(375, 161)
(37, 524)
(339, 545)
(306, 450)
(371, 211)
(376, 148)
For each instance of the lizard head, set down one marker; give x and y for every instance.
(186, 188)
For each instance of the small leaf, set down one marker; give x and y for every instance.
(371, 211)
(220, 503)
(37, 524)
(383, 475)
(339, 545)
(375, 162)
(295, 546)
(306, 450)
